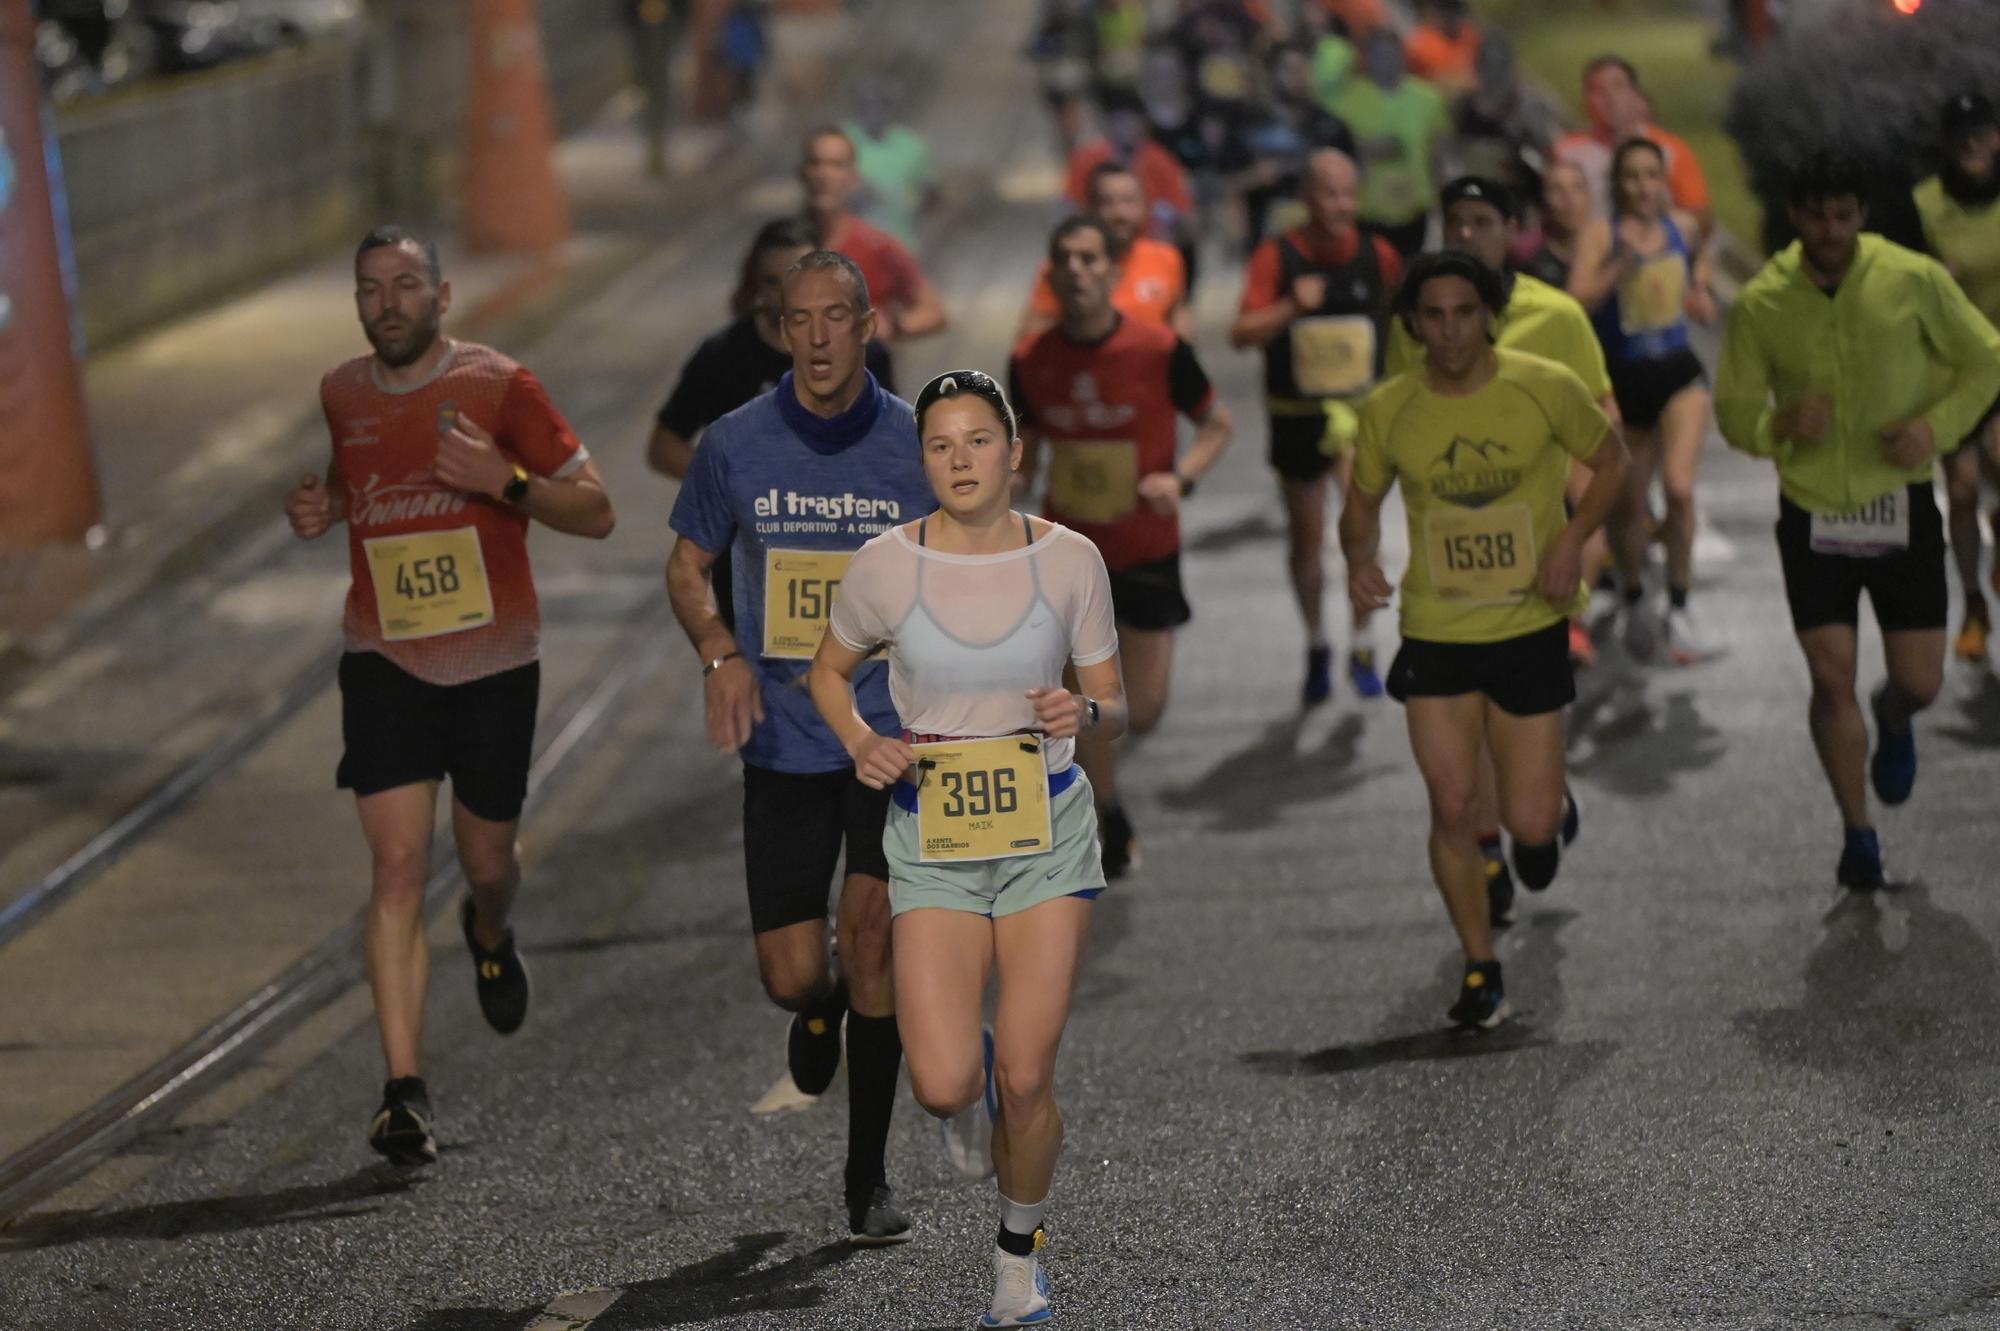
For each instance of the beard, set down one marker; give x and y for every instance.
(1966, 188)
(396, 352)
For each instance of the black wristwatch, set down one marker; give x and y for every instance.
(516, 490)
(1187, 484)
(1090, 705)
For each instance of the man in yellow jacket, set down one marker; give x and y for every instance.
(1848, 361)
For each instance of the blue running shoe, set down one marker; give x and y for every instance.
(968, 1134)
(1861, 862)
(1020, 1291)
(1319, 675)
(1361, 670)
(1893, 770)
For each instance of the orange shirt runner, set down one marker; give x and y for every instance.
(1152, 283)
(1161, 177)
(1592, 155)
(452, 567)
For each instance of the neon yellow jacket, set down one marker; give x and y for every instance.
(1897, 340)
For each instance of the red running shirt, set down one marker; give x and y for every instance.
(385, 446)
(1108, 411)
(893, 274)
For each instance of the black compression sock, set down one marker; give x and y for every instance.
(1535, 866)
(829, 1009)
(874, 1057)
(1017, 1245)
(1632, 593)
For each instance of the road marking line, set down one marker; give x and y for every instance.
(574, 1312)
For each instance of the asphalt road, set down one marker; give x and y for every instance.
(1734, 1097)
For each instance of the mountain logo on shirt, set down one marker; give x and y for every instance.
(1474, 472)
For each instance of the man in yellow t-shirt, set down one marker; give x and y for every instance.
(1481, 440)
(1960, 208)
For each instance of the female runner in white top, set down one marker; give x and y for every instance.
(981, 610)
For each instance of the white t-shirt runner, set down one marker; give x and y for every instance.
(969, 635)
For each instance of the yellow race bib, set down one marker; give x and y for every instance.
(799, 587)
(1225, 76)
(429, 583)
(1333, 355)
(1094, 480)
(1481, 556)
(1650, 298)
(982, 799)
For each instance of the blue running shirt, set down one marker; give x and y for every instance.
(771, 476)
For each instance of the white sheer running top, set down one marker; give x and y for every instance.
(969, 635)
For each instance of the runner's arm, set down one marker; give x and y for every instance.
(1743, 410)
(878, 760)
(1607, 470)
(1368, 589)
(1266, 309)
(1102, 682)
(669, 452)
(1700, 302)
(1965, 341)
(576, 504)
(1213, 431)
(1596, 270)
(692, 596)
(923, 315)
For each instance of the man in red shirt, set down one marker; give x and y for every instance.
(1104, 393)
(1169, 198)
(1316, 302)
(906, 304)
(1151, 278)
(1618, 111)
(443, 452)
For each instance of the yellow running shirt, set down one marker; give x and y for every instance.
(1482, 480)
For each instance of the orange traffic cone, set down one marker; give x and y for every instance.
(48, 488)
(513, 200)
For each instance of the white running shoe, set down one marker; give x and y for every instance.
(1642, 632)
(1020, 1292)
(968, 1134)
(1684, 645)
(784, 1097)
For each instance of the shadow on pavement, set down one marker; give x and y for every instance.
(1252, 528)
(1900, 997)
(1640, 751)
(1979, 710)
(338, 1200)
(730, 1284)
(715, 926)
(1533, 975)
(1247, 790)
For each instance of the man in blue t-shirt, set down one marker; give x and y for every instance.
(792, 484)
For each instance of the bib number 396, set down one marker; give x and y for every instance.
(982, 799)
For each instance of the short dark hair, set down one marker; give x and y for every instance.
(1069, 226)
(780, 233)
(391, 235)
(825, 261)
(1827, 175)
(965, 383)
(1492, 288)
(1617, 62)
(1103, 170)
(1481, 189)
(1637, 144)
(825, 130)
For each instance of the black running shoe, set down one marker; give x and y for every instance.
(402, 1127)
(1482, 1000)
(1572, 817)
(1499, 887)
(874, 1220)
(1121, 848)
(812, 1046)
(1319, 676)
(501, 975)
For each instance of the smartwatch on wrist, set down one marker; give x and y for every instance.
(1090, 706)
(516, 490)
(1187, 484)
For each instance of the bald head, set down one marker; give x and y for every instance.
(1331, 191)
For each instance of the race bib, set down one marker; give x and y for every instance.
(1225, 77)
(1333, 355)
(1878, 528)
(429, 583)
(982, 799)
(799, 587)
(1651, 296)
(1094, 480)
(1481, 556)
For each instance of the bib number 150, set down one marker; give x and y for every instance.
(421, 579)
(811, 598)
(977, 793)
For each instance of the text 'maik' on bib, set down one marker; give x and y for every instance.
(1481, 556)
(1881, 527)
(982, 799)
(1333, 355)
(429, 583)
(1094, 480)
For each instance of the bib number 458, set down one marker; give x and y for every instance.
(421, 579)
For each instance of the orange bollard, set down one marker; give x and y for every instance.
(512, 199)
(48, 487)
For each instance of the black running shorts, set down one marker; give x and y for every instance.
(1150, 596)
(1524, 676)
(1907, 589)
(794, 827)
(400, 730)
(1643, 388)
